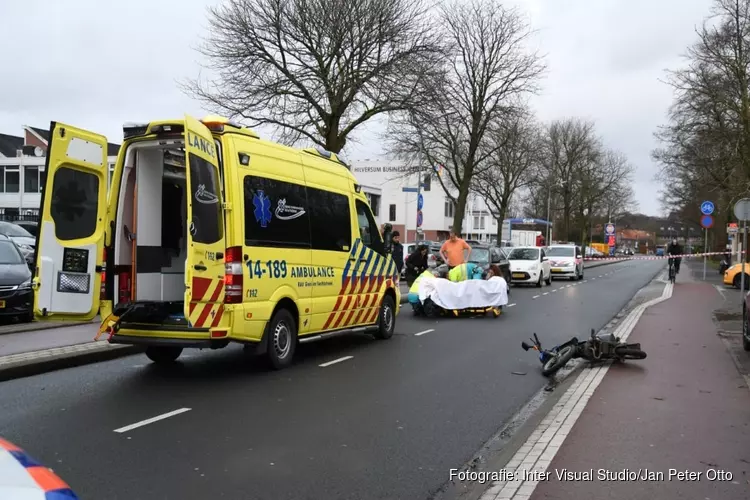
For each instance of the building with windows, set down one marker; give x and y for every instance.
(22, 176)
(390, 184)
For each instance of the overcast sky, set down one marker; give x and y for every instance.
(98, 64)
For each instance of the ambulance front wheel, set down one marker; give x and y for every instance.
(386, 319)
(282, 339)
(161, 355)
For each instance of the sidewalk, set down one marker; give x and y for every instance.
(685, 408)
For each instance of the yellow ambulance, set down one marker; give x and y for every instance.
(209, 235)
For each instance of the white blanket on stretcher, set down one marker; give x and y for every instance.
(468, 294)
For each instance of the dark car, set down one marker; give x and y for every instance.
(485, 255)
(16, 296)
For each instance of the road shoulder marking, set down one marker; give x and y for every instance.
(339, 360)
(422, 333)
(151, 420)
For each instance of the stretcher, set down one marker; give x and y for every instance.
(441, 297)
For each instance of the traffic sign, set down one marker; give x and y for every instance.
(409, 190)
(609, 229)
(707, 221)
(742, 209)
(732, 228)
(611, 240)
(707, 207)
(419, 218)
(420, 201)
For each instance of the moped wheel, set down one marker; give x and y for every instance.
(629, 353)
(558, 360)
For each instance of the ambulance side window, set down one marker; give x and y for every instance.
(330, 220)
(276, 213)
(207, 224)
(368, 228)
(74, 204)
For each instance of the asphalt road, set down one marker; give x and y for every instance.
(387, 423)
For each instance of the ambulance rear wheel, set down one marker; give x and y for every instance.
(281, 338)
(386, 319)
(161, 354)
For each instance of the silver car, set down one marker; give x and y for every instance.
(566, 261)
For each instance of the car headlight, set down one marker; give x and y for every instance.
(25, 285)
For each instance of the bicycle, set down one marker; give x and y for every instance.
(672, 273)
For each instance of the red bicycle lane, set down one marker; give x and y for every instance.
(675, 425)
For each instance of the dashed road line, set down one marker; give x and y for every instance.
(422, 333)
(339, 360)
(511, 305)
(151, 420)
(553, 291)
(536, 296)
(545, 293)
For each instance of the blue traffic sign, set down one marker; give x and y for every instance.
(420, 201)
(419, 218)
(707, 221)
(409, 190)
(609, 229)
(707, 207)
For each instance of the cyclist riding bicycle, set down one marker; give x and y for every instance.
(675, 248)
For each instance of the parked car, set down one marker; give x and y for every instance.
(29, 225)
(16, 296)
(21, 237)
(486, 255)
(566, 261)
(529, 265)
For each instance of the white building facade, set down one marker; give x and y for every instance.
(384, 180)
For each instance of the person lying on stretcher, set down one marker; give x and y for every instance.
(457, 274)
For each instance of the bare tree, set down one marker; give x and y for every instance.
(571, 149)
(705, 147)
(515, 143)
(487, 67)
(319, 69)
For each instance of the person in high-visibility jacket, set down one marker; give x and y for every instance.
(413, 296)
(465, 271)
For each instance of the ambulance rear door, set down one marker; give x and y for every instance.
(67, 275)
(205, 267)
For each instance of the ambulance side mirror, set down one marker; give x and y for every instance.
(388, 238)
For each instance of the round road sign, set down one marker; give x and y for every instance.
(707, 221)
(419, 218)
(707, 207)
(420, 201)
(742, 209)
(610, 229)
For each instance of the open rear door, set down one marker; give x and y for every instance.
(204, 269)
(67, 277)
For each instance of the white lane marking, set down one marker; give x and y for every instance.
(511, 305)
(553, 291)
(535, 297)
(335, 361)
(422, 333)
(545, 441)
(585, 281)
(721, 291)
(568, 286)
(545, 293)
(151, 420)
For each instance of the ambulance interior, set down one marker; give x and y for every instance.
(151, 235)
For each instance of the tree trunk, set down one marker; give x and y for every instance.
(458, 216)
(334, 143)
(500, 219)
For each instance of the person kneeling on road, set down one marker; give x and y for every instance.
(465, 271)
(675, 248)
(413, 296)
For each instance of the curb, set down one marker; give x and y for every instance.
(34, 363)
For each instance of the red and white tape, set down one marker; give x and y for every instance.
(657, 257)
